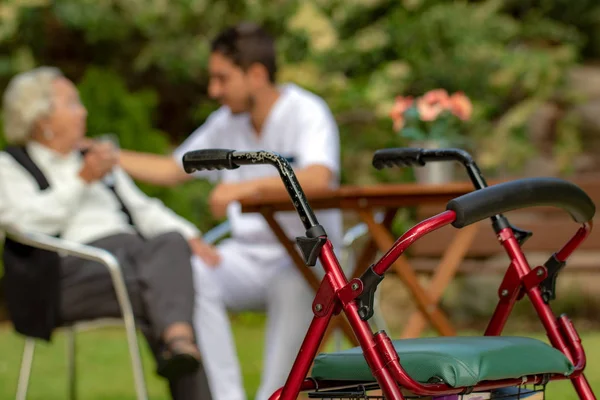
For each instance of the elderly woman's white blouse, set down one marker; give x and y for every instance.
(74, 209)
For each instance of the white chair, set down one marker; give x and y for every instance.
(217, 233)
(64, 248)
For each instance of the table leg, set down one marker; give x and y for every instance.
(444, 274)
(368, 253)
(429, 308)
(304, 270)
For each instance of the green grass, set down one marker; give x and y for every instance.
(104, 371)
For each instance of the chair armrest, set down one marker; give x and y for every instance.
(357, 231)
(63, 247)
(351, 235)
(217, 233)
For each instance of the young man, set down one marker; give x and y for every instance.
(252, 270)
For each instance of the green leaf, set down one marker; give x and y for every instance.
(413, 133)
(412, 117)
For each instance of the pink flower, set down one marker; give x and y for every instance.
(397, 114)
(461, 106)
(432, 103)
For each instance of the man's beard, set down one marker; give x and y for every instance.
(249, 104)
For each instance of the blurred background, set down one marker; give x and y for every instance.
(531, 68)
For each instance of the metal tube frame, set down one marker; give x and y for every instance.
(378, 349)
(64, 247)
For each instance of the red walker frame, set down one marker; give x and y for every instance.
(336, 294)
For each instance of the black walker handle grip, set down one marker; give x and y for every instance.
(211, 159)
(400, 157)
(414, 156)
(208, 159)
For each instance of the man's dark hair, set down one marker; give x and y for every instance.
(246, 44)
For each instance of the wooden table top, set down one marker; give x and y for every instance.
(395, 195)
(353, 197)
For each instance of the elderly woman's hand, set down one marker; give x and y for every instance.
(99, 160)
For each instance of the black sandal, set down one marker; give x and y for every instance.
(177, 361)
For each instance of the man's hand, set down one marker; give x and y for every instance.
(226, 193)
(99, 160)
(205, 251)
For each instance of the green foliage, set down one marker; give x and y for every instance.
(581, 16)
(114, 109)
(142, 66)
(472, 47)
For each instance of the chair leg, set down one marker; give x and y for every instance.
(26, 364)
(136, 361)
(134, 349)
(71, 362)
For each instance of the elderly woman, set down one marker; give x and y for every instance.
(48, 185)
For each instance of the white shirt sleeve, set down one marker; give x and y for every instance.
(319, 142)
(207, 136)
(27, 207)
(150, 215)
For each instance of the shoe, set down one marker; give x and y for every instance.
(177, 360)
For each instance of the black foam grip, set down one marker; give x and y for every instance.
(411, 156)
(522, 193)
(398, 157)
(208, 159)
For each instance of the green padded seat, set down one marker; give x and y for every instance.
(457, 361)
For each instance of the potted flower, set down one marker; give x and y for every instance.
(434, 120)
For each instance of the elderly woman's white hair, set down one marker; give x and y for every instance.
(28, 97)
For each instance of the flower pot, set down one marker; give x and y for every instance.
(437, 172)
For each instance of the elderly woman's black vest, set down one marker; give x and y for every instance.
(31, 275)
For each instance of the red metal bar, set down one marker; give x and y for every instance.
(506, 303)
(305, 356)
(407, 382)
(569, 332)
(578, 379)
(499, 318)
(410, 236)
(378, 350)
(575, 241)
(361, 328)
(549, 321)
(307, 384)
(502, 311)
(510, 244)
(562, 335)
(553, 329)
(583, 388)
(316, 331)
(543, 310)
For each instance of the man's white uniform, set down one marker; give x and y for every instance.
(255, 272)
